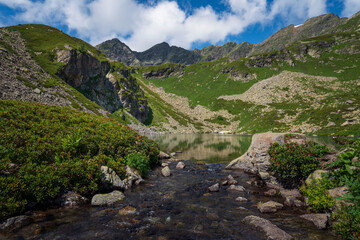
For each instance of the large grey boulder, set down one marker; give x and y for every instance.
(108, 199)
(271, 231)
(320, 220)
(110, 180)
(257, 160)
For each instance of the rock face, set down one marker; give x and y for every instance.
(270, 207)
(271, 231)
(109, 87)
(159, 54)
(256, 159)
(110, 180)
(119, 51)
(108, 199)
(320, 220)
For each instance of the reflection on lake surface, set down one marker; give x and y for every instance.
(214, 148)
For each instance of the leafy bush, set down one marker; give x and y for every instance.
(294, 162)
(347, 172)
(139, 161)
(318, 198)
(48, 150)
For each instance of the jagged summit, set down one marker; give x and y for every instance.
(163, 53)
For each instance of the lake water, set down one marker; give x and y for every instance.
(213, 148)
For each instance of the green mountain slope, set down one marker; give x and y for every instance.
(62, 61)
(314, 90)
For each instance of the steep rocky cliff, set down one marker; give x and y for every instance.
(110, 85)
(41, 63)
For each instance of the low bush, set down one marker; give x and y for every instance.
(293, 162)
(139, 161)
(48, 150)
(318, 198)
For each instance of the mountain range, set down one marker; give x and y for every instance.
(164, 53)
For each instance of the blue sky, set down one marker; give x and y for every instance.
(185, 23)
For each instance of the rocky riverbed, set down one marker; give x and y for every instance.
(179, 206)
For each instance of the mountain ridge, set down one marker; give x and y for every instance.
(312, 27)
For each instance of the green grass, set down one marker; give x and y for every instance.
(203, 83)
(48, 150)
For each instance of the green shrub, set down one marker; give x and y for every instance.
(293, 163)
(347, 172)
(139, 161)
(318, 198)
(48, 150)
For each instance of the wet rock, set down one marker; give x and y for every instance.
(270, 207)
(271, 231)
(320, 220)
(231, 180)
(180, 165)
(14, 223)
(242, 209)
(132, 177)
(223, 183)
(71, 199)
(173, 154)
(152, 220)
(164, 164)
(163, 156)
(214, 188)
(315, 176)
(166, 171)
(128, 210)
(108, 199)
(270, 193)
(236, 188)
(212, 216)
(110, 180)
(241, 199)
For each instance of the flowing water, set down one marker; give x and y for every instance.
(179, 206)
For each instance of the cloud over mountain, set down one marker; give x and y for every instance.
(141, 25)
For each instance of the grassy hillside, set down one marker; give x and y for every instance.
(48, 150)
(308, 107)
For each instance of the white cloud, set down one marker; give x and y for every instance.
(143, 25)
(350, 7)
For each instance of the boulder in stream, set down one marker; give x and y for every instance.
(14, 223)
(270, 207)
(180, 165)
(110, 180)
(271, 231)
(166, 171)
(214, 188)
(108, 199)
(236, 188)
(320, 220)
